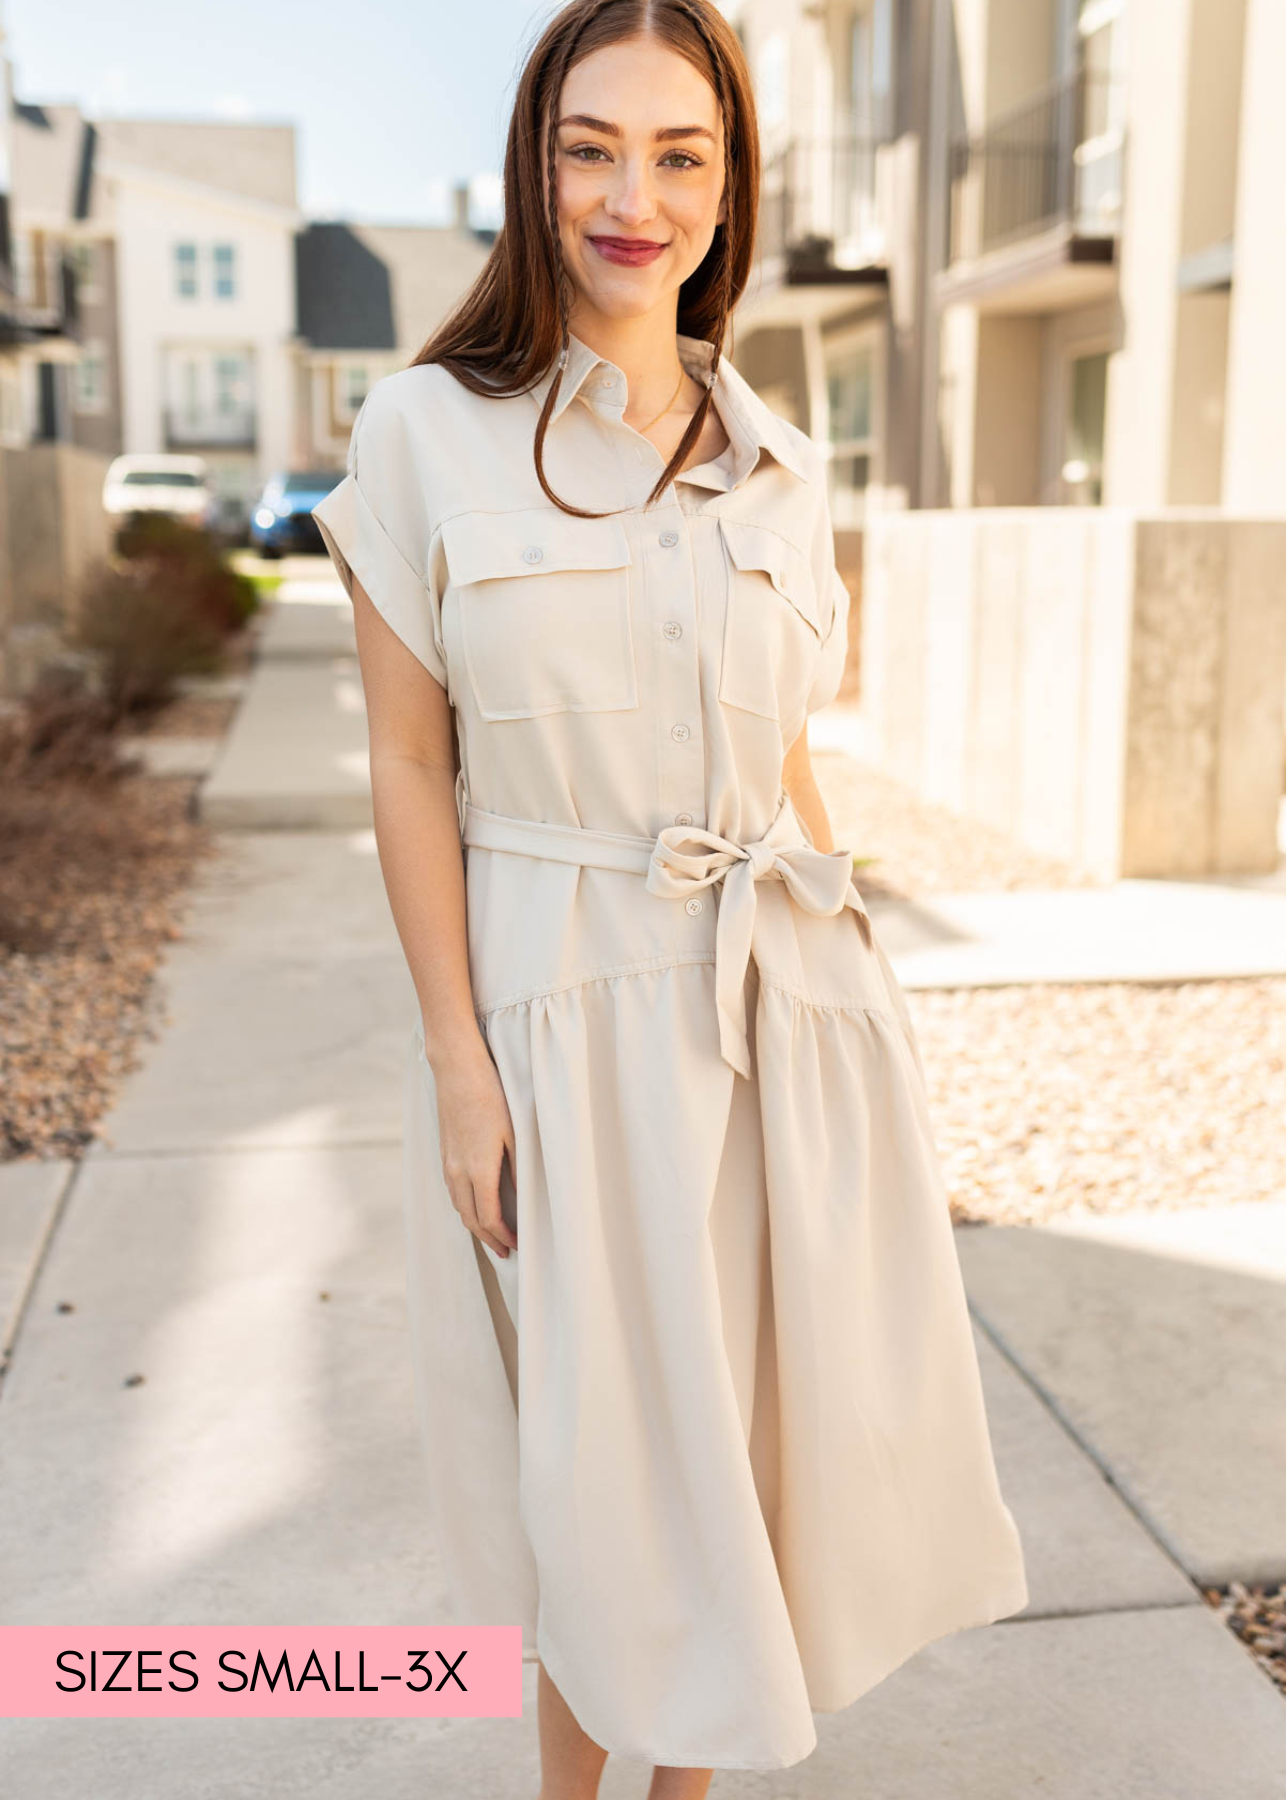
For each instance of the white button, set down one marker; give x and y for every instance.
(669, 538)
(672, 629)
(607, 381)
(532, 553)
(680, 733)
(683, 818)
(692, 906)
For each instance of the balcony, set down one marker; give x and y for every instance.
(209, 428)
(45, 313)
(821, 219)
(1038, 193)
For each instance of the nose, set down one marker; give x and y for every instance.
(632, 200)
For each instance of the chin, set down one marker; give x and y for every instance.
(622, 303)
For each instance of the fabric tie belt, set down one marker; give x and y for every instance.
(820, 881)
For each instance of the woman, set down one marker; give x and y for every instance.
(697, 1382)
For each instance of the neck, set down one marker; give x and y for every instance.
(644, 349)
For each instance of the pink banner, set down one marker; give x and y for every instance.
(225, 1672)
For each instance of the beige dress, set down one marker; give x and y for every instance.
(714, 1433)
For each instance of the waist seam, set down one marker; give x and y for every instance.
(647, 966)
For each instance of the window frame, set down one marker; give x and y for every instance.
(1081, 350)
(177, 262)
(850, 505)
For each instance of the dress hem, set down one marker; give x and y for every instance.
(992, 1614)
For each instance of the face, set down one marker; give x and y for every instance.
(639, 164)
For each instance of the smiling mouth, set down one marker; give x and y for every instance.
(627, 249)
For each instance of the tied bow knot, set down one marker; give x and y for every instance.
(820, 881)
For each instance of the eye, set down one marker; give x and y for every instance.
(689, 161)
(586, 152)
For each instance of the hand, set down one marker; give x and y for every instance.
(476, 1132)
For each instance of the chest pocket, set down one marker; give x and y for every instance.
(544, 611)
(772, 631)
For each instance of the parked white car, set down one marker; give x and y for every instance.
(177, 485)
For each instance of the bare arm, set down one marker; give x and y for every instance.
(799, 782)
(417, 834)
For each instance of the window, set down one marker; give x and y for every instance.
(1082, 471)
(225, 278)
(356, 383)
(89, 379)
(185, 286)
(870, 70)
(852, 393)
(84, 261)
(228, 372)
(166, 477)
(1099, 154)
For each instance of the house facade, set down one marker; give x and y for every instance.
(368, 297)
(203, 217)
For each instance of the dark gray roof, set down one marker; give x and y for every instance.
(381, 287)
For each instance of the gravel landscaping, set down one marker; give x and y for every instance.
(1258, 1616)
(92, 887)
(1051, 1099)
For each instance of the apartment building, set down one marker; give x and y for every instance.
(46, 301)
(1023, 252)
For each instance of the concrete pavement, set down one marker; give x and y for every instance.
(266, 1468)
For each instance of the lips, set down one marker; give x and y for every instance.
(631, 251)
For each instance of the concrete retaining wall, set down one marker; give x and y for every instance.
(52, 527)
(1106, 686)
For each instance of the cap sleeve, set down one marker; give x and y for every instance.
(834, 607)
(374, 525)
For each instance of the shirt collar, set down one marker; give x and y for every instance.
(751, 425)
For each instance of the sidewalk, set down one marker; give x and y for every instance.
(236, 1240)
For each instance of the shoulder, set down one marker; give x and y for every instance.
(424, 446)
(409, 398)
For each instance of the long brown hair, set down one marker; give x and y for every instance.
(513, 323)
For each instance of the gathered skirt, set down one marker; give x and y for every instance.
(714, 1433)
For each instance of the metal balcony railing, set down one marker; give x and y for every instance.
(208, 428)
(818, 205)
(1057, 158)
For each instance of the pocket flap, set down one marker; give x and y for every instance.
(539, 540)
(789, 570)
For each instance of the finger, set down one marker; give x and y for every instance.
(479, 1227)
(490, 1213)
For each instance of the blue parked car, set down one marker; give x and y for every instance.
(281, 521)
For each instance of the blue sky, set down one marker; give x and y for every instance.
(393, 102)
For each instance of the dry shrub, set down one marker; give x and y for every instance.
(189, 562)
(145, 633)
(62, 730)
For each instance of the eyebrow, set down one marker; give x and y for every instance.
(666, 133)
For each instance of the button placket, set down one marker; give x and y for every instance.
(673, 606)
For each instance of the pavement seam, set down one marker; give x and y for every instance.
(1051, 1404)
(59, 1210)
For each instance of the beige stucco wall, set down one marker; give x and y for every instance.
(1105, 686)
(1165, 413)
(1254, 457)
(1007, 411)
